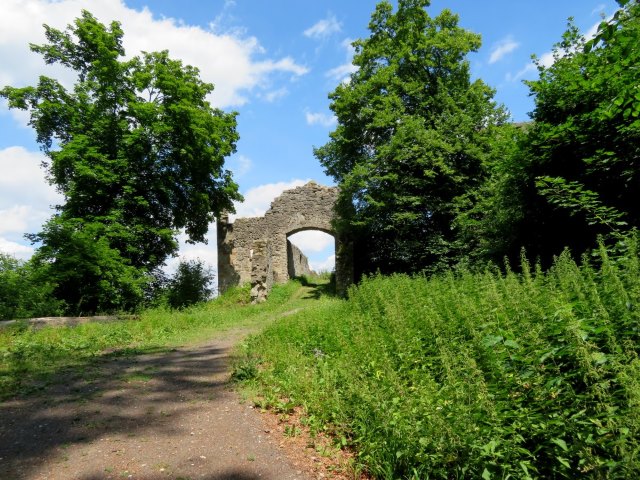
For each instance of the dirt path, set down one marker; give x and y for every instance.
(159, 416)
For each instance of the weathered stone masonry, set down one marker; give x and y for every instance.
(298, 263)
(256, 250)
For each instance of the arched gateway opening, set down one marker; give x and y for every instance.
(310, 251)
(255, 250)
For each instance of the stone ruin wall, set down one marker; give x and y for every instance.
(236, 250)
(297, 261)
(257, 251)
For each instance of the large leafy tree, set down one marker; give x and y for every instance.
(414, 136)
(137, 152)
(586, 137)
(576, 172)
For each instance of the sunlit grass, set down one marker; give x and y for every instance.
(469, 375)
(28, 357)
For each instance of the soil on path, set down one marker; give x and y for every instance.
(159, 416)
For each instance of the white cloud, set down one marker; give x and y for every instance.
(342, 72)
(229, 60)
(529, 67)
(286, 64)
(240, 165)
(20, 117)
(25, 194)
(15, 219)
(323, 28)
(275, 94)
(327, 265)
(22, 252)
(599, 10)
(310, 241)
(547, 59)
(23, 180)
(25, 198)
(502, 48)
(207, 252)
(320, 119)
(257, 200)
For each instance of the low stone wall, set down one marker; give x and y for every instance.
(67, 321)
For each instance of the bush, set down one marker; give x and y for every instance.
(24, 293)
(191, 284)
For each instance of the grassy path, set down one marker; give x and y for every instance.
(166, 413)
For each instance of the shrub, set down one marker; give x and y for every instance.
(191, 284)
(24, 292)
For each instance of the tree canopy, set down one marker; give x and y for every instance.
(138, 153)
(586, 135)
(575, 172)
(413, 138)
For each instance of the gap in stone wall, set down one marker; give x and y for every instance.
(318, 247)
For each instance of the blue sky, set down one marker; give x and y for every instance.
(274, 62)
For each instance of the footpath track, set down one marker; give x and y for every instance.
(168, 415)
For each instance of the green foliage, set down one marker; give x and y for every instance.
(586, 129)
(24, 291)
(137, 152)
(575, 174)
(471, 375)
(88, 273)
(413, 136)
(575, 198)
(488, 216)
(191, 284)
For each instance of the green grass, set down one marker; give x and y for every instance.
(467, 375)
(464, 375)
(29, 358)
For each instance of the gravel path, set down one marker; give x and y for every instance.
(159, 416)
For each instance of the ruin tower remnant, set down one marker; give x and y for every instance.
(257, 251)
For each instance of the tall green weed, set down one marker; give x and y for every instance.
(472, 375)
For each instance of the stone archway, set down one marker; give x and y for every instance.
(256, 250)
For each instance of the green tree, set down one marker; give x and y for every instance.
(24, 293)
(576, 172)
(488, 217)
(191, 284)
(137, 152)
(414, 136)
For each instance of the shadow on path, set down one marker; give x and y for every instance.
(167, 415)
(231, 475)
